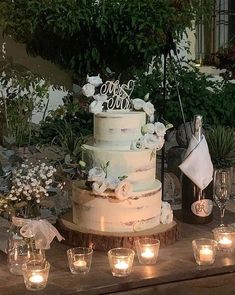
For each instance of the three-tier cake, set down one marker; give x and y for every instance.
(123, 194)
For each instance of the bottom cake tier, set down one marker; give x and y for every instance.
(105, 213)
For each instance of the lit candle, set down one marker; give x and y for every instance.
(205, 254)
(225, 243)
(36, 279)
(148, 253)
(121, 265)
(81, 264)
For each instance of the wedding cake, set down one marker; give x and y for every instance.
(121, 192)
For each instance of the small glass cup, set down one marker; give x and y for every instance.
(147, 250)
(121, 261)
(204, 251)
(35, 274)
(225, 237)
(79, 259)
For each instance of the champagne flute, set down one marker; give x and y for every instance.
(221, 190)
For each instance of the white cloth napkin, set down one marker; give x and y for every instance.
(197, 164)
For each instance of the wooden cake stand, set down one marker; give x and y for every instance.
(76, 236)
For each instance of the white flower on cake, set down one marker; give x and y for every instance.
(112, 182)
(159, 129)
(96, 174)
(148, 128)
(149, 108)
(150, 141)
(94, 80)
(99, 187)
(138, 144)
(123, 190)
(88, 90)
(166, 213)
(96, 107)
(159, 142)
(100, 97)
(138, 104)
(151, 119)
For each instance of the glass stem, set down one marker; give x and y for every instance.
(222, 210)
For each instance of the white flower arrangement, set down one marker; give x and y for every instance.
(30, 184)
(147, 107)
(100, 182)
(166, 213)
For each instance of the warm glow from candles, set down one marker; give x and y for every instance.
(225, 242)
(122, 265)
(80, 263)
(205, 254)
(148, 253)
(35, 278)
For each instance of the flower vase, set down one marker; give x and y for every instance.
(21, 249)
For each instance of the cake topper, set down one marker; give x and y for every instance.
(118, 95)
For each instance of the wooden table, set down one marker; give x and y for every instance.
(175, 272)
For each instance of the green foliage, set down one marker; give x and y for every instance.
(221, 143)
(199, 93)
(88, 35)
(22, 93)
(68, 126)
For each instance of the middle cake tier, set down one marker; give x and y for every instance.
(139, 166)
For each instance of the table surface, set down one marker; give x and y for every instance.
(176, 265)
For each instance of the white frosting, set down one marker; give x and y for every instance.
(139, 166)
(140, 211)
(117, 129)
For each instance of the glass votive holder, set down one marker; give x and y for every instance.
(121, 261)
(147, 250)
(79, 259)
(204, 251)
(225, 237)
(35, 274)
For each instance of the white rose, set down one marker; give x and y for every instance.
(166, 213)
(99, 187)
(123, 190)
(159, 142)
(101, 97)
(151, 118)
(138, 144)
(112, 182)
(160, 129)
(138, 103)
(96, 174)
(88, 90)
(96, 107)
(149, 108)
(148, 128)
(150, 141)
(94, 80)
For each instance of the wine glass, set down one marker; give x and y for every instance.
(221, 190)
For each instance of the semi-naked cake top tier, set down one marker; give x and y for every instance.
(117, 129)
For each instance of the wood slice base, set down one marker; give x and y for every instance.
(103, 241)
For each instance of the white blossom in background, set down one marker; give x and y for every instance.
(4, 52)
(124, 190)
(96, 107)
(31, 182)
(94, 80)
(166, 213)
(96, 174)
(88, 90)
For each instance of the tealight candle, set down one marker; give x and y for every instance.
(79, 260)
(205, 254)
(147, 250)
(120, 261)
(35, 274)
(121, 265)
(204, 251)
(225, 236)
(36, 278)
